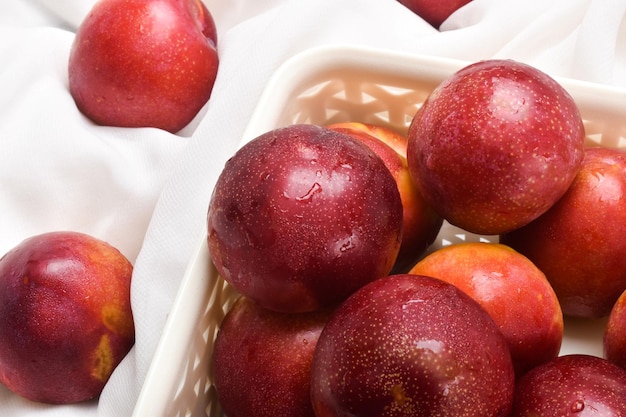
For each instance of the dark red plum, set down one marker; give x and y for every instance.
(495, 145)
(411, 345)
(302, 216)
(434, 12)
(576, 385)
(580, 242)
(262, 361)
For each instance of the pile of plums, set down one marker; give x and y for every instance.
(324, 232)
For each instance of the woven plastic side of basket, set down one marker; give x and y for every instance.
(196, 395)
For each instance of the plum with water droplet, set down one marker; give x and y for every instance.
(495, 146)
(576, 385)
(303, 216)
(411, 345)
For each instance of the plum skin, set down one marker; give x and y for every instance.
(302, 216)
(410, 345)
(65, 316)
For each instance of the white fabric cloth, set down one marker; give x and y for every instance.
(146, 191)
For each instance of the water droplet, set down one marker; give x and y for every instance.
(577, 406)
(343, 246)
(346, 246)
(315, 188)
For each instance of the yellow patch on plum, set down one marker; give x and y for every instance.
(117, 321)
(102, 359)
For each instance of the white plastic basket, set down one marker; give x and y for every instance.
(322, 86)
